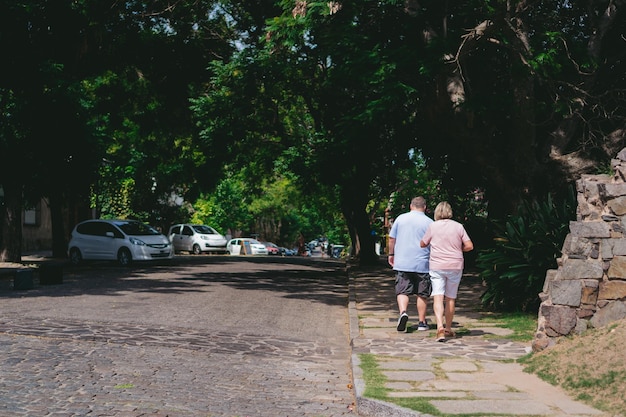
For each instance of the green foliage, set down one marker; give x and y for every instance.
(276, 210)
(525, 246)
(416, 181)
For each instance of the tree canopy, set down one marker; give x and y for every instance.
(129, 107)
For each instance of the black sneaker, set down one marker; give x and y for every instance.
(423, 325)
(402, 322)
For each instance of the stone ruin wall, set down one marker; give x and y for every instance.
(589, 287)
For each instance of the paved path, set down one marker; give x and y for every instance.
(470, 374)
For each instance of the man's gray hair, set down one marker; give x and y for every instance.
(418, 202)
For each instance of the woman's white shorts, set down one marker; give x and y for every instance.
(446, 282)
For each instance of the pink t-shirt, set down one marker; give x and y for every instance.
(446, 239)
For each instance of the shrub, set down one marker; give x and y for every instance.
(525, 246)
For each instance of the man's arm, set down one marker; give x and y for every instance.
(392, 248)
(392, 245)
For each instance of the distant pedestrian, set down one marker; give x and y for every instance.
(448, 240)
(410, 261)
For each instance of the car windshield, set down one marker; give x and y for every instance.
(205, 230)
(137, 229)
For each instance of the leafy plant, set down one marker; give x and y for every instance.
(525, 246)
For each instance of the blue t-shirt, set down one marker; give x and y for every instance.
(408, 229)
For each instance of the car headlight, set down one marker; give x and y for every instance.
(138, 242)
(203, 237)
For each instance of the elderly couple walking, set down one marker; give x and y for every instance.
(427, 256)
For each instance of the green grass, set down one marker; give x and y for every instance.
(375, 382)
(523, 325)
(374, 379)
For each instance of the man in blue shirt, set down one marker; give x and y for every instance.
(410, 261)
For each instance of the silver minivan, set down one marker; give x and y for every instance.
(196, 238)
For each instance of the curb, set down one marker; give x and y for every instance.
(367, 407)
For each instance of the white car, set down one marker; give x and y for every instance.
(246, 246)
(196, 238)
(122, 240)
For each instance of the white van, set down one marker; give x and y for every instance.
(196, 238)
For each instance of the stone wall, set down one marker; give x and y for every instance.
(589, 287)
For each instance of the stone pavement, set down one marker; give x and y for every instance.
(470, 374)
(58, 359)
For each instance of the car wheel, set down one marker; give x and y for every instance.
(124, 257)
(196, 249)
(75, 256)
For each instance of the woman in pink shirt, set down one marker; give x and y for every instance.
(448, 240)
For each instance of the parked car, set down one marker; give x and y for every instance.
(245, 246)
(338, 251)
(272, 248)
(288, 252)
(122, 240)
(196, 238)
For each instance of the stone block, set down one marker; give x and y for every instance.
(612, 191)
(581, 269)
(590, 229)
(612, 290)
(617, 206)
(550, 276)
(617, 268)
(559, 320)
(613, 311)
(581, 326)
(580, 247)
(566, 292)
(589, 294)
(619, 247)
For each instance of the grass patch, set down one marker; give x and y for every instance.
(375, 382)
(124, 386)
(374, 379)
(523, 325)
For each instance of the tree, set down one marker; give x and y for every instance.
(339, 109)
(93, 90)
(42, 112)
(530, 95)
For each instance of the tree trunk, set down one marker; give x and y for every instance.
(354, 211)
(11, 214)
(59, 238)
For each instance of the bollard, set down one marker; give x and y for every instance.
(23, 279)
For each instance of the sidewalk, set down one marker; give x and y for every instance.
(469, 374)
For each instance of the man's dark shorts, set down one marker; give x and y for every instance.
(413, 283)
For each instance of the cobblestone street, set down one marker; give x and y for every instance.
(67, 366)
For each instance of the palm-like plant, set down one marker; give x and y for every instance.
(525, 246)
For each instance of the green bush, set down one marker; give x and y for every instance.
(525, 246)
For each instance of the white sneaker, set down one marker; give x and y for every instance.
(402, 322)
